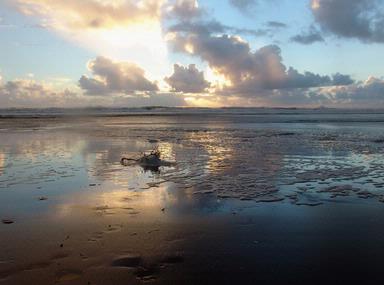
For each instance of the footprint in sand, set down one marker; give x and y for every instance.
(131, 211)
(113, 228)
(60, 255)
(128, 261)
(146, 274)
(172, 259)
(68, 275)
(96, 236)
(142, 272)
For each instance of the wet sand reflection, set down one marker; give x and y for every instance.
(202, 217)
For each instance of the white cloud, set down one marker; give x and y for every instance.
(111, 77)
(90, 14)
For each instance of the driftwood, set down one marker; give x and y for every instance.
(150, 161)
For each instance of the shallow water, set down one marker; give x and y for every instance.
(273, 197)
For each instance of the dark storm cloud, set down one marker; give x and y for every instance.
(187, 79)
(359, 19)
(115, 77)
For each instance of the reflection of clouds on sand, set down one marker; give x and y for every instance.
(153, 202)
(103, 161)
(31, 146)
(39, 157)
(230, 164)
(2, 162)
(249, 164)
(218, 152)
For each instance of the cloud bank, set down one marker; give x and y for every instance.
(29, 93)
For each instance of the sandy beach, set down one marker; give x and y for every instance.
(287, 198)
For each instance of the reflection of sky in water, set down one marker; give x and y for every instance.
(2, 162)
(209, 206)
(257, 164)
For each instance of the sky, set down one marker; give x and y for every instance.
(207, 53)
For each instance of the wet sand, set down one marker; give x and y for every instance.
(247, 203)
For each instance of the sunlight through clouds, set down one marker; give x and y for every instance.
(117, 29)
(190, 52)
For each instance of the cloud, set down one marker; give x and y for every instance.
(276, 24)
(213, 27)
(33, 94)
(342, 79)
(244, 6)
(90, 14)
(296, 98)
(29, 93)
(369, 93)
(185, 9)
(247, 72)
(366, 94)
(163, 99)
(309, 37)
(111, 77)
(187, 79)
(118, 29)
(359, 19)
